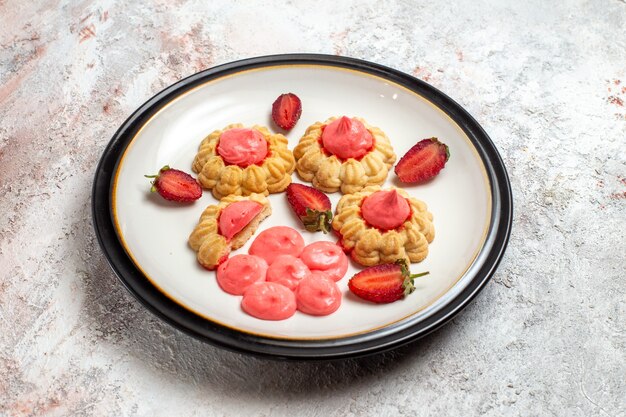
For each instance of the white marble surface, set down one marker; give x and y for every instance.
(547, 80)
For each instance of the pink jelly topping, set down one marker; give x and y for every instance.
(242, 147)
(347, 138)
(235, 216)
(275, 241)
(326, 257)
(385, 210)
(236, 274)
(269, 301)
(318, 295)
(288, 271)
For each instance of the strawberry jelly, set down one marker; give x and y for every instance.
(318, 295)
(275, 241)
(347, 138)
(242, 147)
(237, 273)
(288, 271)
(385, 210)
(269, 301)
(236, 216)
(326, 257)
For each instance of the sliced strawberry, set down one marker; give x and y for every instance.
(175, 185)
(384, 283)
(312, 206)
(286, 110)
(423, 161)
(236, 216)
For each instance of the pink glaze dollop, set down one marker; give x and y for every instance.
(239, 272)
(242, 147)
(347, 138)
(235, 216)
(318, 295)
(326, 257)
(288, 271)
(385, 210)
(275, 241)
(269, 301)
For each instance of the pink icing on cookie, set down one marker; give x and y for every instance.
(326, 257)
(318, 295)
(275, 241)
(236, 274)
(242, 147)
(385, 210)
(288, 271)
(347, 138)
(269, 301)
(235, 216)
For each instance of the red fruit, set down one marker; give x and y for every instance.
(175, 185)
(423, 161)
(384, 283)
(312, 206)
(286, 110)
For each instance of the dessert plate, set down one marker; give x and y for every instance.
(145, 237)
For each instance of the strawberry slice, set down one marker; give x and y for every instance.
(423, 161)
(312, 207)
(286, 111)
(384, 283)
(175, 185)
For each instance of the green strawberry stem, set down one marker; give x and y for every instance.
(407, 283)
(317, 220)
(153, 188)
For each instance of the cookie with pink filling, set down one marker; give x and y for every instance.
(379, 226)
(240, 160)
(227, 226)
(344, 153)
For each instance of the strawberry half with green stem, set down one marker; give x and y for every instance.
(423, 161)
(312, 207)
(175, 185)
(384, 283)
(286, 110)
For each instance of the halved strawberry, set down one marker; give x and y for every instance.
(312, 206)
(175, 185)
(384, 283)
(423, 161)
(286, 110)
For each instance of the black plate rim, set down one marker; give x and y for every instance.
(354, 346)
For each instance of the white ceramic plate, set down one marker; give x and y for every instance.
(466, 199)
